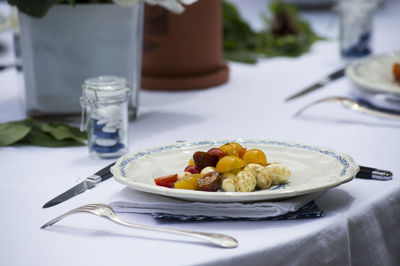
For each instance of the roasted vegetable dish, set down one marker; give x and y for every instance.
(231, 168)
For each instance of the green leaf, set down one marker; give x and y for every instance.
(39, 138)
(12, 132)
(34, 8)
(38, 133)
(62, 132)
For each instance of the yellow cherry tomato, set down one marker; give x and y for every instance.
(229, 163)
(255, 156)
(241, 150)
(229, 149)
(188, 182)
(236, 145)
(191, 162)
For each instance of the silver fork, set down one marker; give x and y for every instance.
(353, 105)
(107, 212)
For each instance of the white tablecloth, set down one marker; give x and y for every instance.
(361, 222)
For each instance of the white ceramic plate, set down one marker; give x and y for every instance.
(374, 73)
(312, 168)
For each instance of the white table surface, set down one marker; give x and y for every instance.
(361, 222)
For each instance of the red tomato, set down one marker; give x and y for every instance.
(396, 72)
(193, 169)
(216, 152)
(166, 181)
(241, 152)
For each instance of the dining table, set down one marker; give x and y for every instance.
(361, 218)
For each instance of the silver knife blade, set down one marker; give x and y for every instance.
(78, 189)
(333, 76)
(88, 183)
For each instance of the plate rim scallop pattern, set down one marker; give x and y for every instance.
(347, 173)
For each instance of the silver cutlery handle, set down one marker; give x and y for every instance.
(353, 105)
(106, 211)
(218, 239)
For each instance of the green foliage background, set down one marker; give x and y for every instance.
(39, 8)
(241, 43)
(285, 34)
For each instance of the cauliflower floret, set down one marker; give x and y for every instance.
(279, 173)
(245, 181)
(228, 181)
(184, 174)
(228, 184)
(264, 178)
(273, 163)
(230, 174)
(254, 168)
(207, 170)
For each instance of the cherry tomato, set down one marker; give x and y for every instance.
(193, 169)
(229, 163)
(229, 149)
(166, 181)
(396, 72)
(255, 156)
(216, 152)
(203, 159)
(188, 182)
(241, 152)
(236, 145)
(209, 182)
(191, 162)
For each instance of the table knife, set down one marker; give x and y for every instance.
(373, 173)
(331, 77)
(88, 183)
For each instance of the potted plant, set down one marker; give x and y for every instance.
(183, 51)
(63, 42)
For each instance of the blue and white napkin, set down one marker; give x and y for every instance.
(161, 207)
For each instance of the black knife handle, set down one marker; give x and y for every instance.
(337, 74)
(105, 173)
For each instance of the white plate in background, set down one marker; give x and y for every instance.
(374, 73)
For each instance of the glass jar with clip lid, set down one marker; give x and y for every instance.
(105, 101)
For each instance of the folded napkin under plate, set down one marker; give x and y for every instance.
(161, 207)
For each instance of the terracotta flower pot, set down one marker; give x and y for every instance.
(183, 51)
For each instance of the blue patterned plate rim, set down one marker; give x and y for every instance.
(348, 170)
